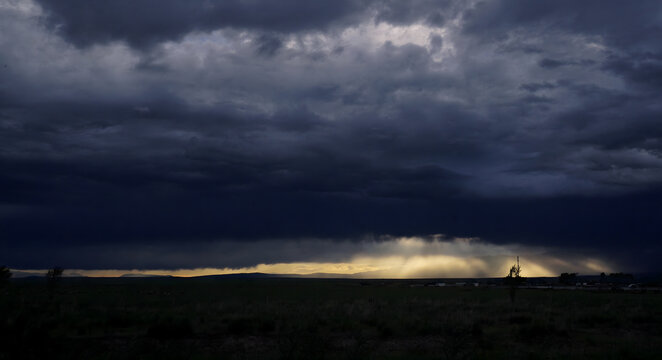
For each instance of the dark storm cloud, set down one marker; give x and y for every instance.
(146, 22)
(553, 63)
(433, 12)
(638, 69)
(533, 87)
(624, 26)
(268, 45)
(515, 122)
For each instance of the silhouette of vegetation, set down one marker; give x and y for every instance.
(54, 275)
(514, 275)
(568, 278)
(5, 275)
(514, 279)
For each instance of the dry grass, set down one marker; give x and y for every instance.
(319, 319)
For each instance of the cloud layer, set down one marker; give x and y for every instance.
(166, 123)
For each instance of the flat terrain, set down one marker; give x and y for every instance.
(319, 319)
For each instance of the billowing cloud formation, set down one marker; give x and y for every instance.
(164, 123)
(149, 22)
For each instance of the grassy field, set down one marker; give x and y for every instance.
(319, 319)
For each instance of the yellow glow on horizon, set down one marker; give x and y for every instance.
(396, 267)
(401, 258)
(297, 268)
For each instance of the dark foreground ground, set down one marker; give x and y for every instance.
(319, 319)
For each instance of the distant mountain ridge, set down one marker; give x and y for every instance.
(140, 275)
(254, 275)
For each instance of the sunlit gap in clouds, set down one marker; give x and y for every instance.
(389, 257)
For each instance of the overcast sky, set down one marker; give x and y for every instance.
(167, 134)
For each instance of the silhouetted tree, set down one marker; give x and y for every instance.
(5, 274)
(568, 278)
(514, 276)
(54, 275)
(514, 279)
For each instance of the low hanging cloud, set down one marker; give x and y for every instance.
(167, 124)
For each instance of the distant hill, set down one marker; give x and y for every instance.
(258, 275)
(255, 275)
(143, 276)
(24, 274)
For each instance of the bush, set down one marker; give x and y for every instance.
(54, 274)
(5, 274)
(568, 278)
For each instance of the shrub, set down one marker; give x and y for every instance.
(54, 274)
(5, 274)
(568, 278)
